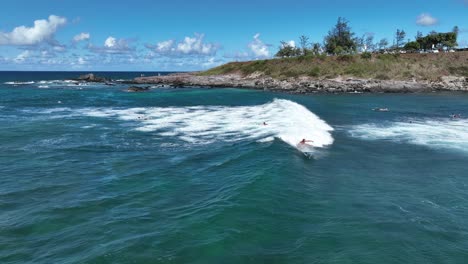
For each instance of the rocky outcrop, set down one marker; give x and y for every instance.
(90, 77)
(307, 84)
(138, 89)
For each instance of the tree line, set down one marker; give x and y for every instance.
(342, 40)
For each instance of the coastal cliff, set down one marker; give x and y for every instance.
(307, 84)
(386, 73)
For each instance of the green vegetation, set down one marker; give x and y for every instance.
(338, 56)
(378, 66)
(341, 40)
(400, 37)
(439, 40)
(412, 46)
(366, 55)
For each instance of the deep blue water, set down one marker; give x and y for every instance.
(94, 174)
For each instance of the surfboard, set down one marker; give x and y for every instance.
(306, 149)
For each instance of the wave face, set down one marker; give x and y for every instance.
(440, 134)
(284, 119)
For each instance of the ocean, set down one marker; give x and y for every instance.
(91, 173)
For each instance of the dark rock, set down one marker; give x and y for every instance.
(90, 77)
(138, 89)
(305, 84)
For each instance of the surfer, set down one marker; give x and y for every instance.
(304, 141)
(264, 123)
(381, 109)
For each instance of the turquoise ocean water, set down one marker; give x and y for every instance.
(94, 174)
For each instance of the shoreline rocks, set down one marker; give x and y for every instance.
(90, 77)
(137, 89)
(306, 84)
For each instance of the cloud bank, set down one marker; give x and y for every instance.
(42, 31)
(189, 46)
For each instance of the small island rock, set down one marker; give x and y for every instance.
(90, 77)
(137, 89)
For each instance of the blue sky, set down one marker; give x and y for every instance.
(193, 35)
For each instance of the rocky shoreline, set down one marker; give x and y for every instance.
(303, 85)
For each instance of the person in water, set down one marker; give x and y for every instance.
(304, 141)
(264, 123)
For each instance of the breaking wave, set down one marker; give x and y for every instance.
(441, 134)
(285, 120)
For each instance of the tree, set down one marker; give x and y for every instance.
(448, 40)
(456, 30)
(370, 42)
(400, 36)
(316, 48)
(360, 42)
(340, 38)
(383, 43)
(286, 50)
(304, 41)
(419, 35)
(438, 40)
(412, 46)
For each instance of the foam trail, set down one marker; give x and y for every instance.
(441, 133)
(285, 120)
(19, 83)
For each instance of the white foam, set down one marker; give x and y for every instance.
(265, 140)
(285, 120)
(19, 83)
(441, 133)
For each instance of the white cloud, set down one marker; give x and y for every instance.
(258, 48)
(110, 42)
(165, 46)
(81, 61)
(426, 20)
(42, 31)
(112, 46)
(59, 48)
(23, 56)
(189, 46)
(81, 37)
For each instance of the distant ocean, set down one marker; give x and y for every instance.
(91, 173)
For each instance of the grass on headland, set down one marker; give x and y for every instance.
(429, 67)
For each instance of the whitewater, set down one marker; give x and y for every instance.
(281, 119)
(437, 133)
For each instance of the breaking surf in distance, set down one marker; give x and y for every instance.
(284, 119)
(438, 134)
